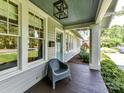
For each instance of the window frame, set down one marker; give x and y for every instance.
(18, 36)
(69, 42)
(42, 60)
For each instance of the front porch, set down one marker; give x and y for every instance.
(83, 80)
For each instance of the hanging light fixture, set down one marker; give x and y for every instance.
(60, 9)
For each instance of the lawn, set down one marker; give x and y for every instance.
(12, 57)
(32, 54)
(7, 57)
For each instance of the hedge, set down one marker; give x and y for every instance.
(112, 75)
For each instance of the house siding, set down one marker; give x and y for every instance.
(51, 36)
(23, 81)
(27, 77)
(75, 51)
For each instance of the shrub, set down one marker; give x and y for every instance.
(112, 75)
(84, 55)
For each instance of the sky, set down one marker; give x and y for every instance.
(118, 20)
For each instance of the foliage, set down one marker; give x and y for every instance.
(8, 42)
(120, 13)
(84, 55)
(112, 75)
(112, 37)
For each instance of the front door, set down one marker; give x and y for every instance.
(59, 44)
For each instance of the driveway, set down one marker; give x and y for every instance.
(117, 58)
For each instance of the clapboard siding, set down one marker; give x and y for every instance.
(75, 51)
(23, 81)
(51, 36)
(30, 76)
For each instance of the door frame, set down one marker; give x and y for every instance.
(61, 31)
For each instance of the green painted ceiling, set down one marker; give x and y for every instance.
(80, 11)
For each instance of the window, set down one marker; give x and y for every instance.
(67, 47)
(9, 34)
(69, 42)
(36, 38)
(78, 43)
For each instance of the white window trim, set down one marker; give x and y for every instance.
(43, 39)
(13, 69)
(61, 31)
(69, 41)
(23, 63)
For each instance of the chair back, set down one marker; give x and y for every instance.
(54, 64)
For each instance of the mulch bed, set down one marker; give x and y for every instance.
(76, 59)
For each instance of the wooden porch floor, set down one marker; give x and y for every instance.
(83, 81)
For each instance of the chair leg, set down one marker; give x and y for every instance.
(54, 85)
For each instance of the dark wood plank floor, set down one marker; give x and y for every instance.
(83, 81)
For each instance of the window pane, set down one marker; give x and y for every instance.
(35, 50)
(13, 29)
(13, 8)
(35, 32)
(8, 52)
(13, 18)
(3, 8)
(13, 13)
(3, 27)
(31, 19)
(40, 34)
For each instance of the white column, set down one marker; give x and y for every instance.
(24, 34)
(95, 47)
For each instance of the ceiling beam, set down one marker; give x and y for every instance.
(103, 9)
(79, 26)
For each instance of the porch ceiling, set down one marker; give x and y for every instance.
(80, 11)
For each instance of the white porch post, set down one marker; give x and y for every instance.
(95, 47)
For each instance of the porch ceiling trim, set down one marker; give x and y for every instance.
(78, 26)
(104, 7)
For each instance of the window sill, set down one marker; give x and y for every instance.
(15, 71)
(36, 63)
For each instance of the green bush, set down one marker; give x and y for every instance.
(84, 55)
(113, 76)
(110, 42)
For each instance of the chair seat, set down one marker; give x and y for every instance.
(60, 71)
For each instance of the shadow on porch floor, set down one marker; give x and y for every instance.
(83, 80)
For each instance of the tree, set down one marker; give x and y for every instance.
(113, 36)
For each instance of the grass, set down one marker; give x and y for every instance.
(7, 57)
(12, 57)
(32, 54)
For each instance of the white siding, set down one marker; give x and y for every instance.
(71, 54)
(51, 36)
(28, 77)
(23, 81)
(75, 51)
